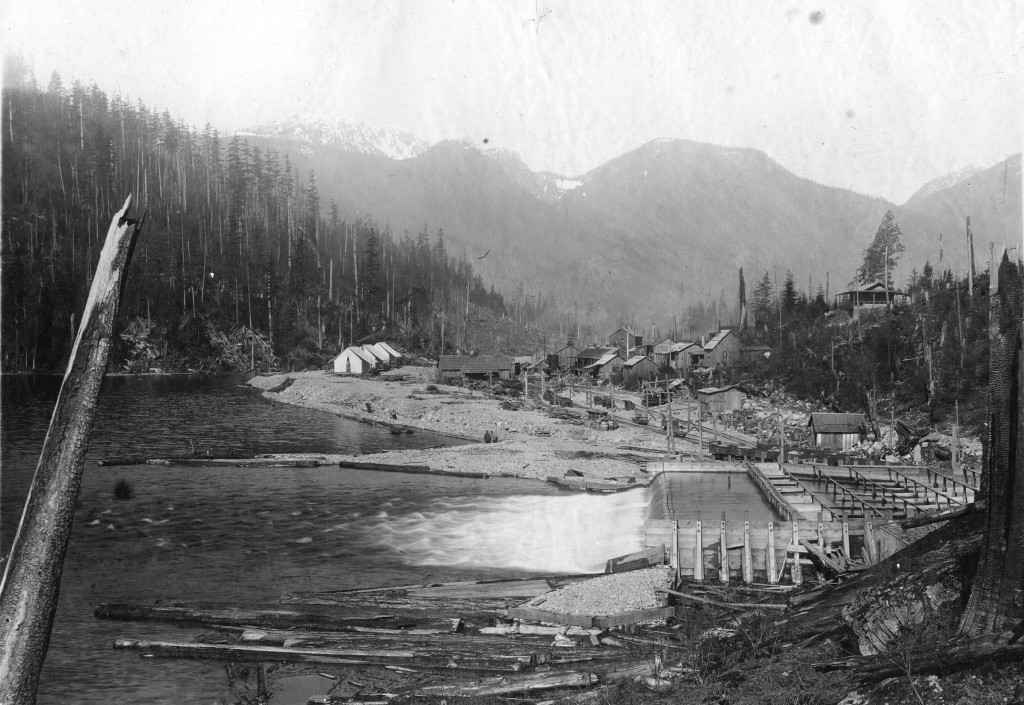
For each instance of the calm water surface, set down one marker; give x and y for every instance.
(250, 535)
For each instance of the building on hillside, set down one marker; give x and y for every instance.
(722, 350)
(661, 352)
(354, 361)
(588, 356)
(686, 355)
(874, 295)
(755, 353)
(606, 366)
(451, 368)
(720, 399)
(382, 358)
(837, 431)
(641, 367)
(625, 339)
(564, 358)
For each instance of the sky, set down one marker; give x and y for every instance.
(875, 96)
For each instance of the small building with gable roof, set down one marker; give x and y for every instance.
(838, 431)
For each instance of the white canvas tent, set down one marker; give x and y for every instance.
(355, 361)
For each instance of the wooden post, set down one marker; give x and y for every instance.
(700, 436)
(698, 552)
(955, 450)
(869, 540)
(671, 426)
(782, 438)
(28, 593)
(773, 577)
(748, 568)
(846, 540)
(723, 552)
(795, 569)
(714, 425)
(675, 548)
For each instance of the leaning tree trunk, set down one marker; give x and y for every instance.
(31, 580)
(997, 596)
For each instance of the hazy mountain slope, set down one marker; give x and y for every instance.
(992, 198)
(945, 181)
(658, 228)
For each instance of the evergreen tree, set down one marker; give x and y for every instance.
(764, 297)
(882, 255)
(789, 295)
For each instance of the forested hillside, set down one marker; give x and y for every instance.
(238, 258)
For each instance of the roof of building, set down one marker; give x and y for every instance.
(389, 349)
(837, 423)
(871, 288)
(719, 390)
(719, 337)
(604, 359)
(663, 346)
(679, 347)
(638, 358)
(475, 364)
(593, 353)
(568, 346)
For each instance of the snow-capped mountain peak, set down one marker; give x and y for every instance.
(945, 181)
(347, 136)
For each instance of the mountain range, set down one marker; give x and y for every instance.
(647, 233)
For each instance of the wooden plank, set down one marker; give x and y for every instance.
(869, 541)
(698, 553)
(636, 561)
(212, 614)
(675, 548)
(846, 539)
(536, 615)
(820, 555)
(648, 615)
(773, 576)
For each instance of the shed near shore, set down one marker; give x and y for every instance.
(462, 367)
(840, 431)
(719, 399)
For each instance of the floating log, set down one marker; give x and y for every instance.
(587, 485)
(527, 683)
(414, 469)
(274, 617)
(237, 463)
(32, 573)
(355, 657)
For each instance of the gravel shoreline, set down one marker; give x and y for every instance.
(531, 444)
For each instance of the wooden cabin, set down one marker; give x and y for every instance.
(722, 350)
(686, 355)
(588, 356)
(874, 295)
(564, 358)
(625, 339)
(451, 368)
(720, 399)
(641, 367)
(606, 366)
(837, 431)
(661, 352)
(354, 361)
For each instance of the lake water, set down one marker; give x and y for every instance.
(250, 535)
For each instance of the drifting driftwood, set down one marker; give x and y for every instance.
(414, 469)
(28, 593)
(507, 685)
(273, 617)
(428, 660)
(636, 561)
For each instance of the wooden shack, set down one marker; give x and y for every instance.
(460, 368)
(873, 295)
(588, 356)
(606, 366)
(625, 339)
(722, 350)
(720, 399)
(661, 352)
(354, 361)
(837, 431)
(640, 367)
(564, 358)
(686, 355)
